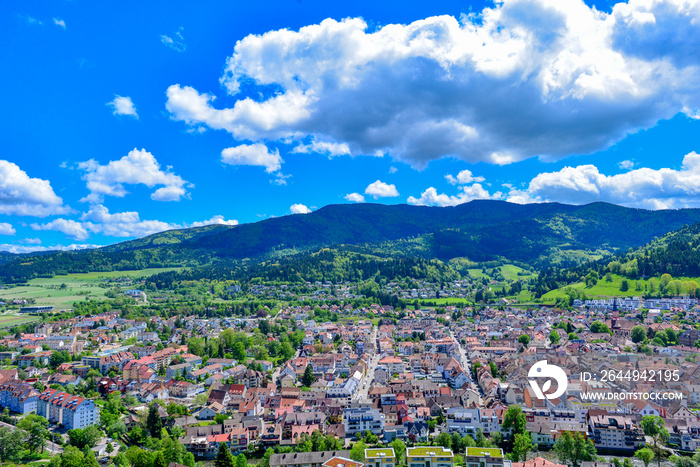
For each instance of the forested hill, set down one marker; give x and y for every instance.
(537, 234)
(676, 253)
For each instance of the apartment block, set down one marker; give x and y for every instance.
(66, 409)
(383, 457)
(429, 456)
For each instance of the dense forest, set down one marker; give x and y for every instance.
(676, 254)
(332, 265)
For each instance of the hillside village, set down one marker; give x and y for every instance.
(445, 378)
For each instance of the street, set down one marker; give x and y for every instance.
(372, 366)
(464, 361)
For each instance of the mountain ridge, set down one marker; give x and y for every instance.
(538, 234)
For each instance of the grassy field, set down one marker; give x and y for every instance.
(510, 272)
(62, 291)
(477, 273)
(9, 320)
(612, 289)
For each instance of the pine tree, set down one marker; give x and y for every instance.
(308, 378)
(153, 423)
(224, 458)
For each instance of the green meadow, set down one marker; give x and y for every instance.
(604, 288)
(64, 290)
(9, 320)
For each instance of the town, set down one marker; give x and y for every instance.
(341, 385)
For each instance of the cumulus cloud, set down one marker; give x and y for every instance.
(98, 220)
(430, 197)
(59, 22)
(7, 229)
(463, 178)
(299, 209)
(380, 189)
(247, 120)
(122, 224)
(216, 220)
(625, 164)
(175, 41)
(525, 78)
(393, 170)
(643, 187)
(355, 197)
(137, 167)
(122, 105)
(69, 227)
(252, 154)
(22, 195)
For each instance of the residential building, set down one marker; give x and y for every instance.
(305, 459)
(18, 396)
(360, 419)
(66, 409)
(429, 456)
(382, 457)
(614, 431)
(30, 359)
(484, 457)
(60, 343)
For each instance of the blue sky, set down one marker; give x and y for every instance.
(127, 118)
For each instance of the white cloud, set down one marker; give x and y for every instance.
(7, 229)
(30, 19)
(31, 241)
(626, 164)
(247, 120)
(169, 193)
(393, 170)
(430, 197)
(524, 78)
(59, 22)
(463, 178)
(99, 220)
(355, 198)
(216, 220)
(253, 154)
(18, 249)
(122, 224)
(321, 147)
(644, 187)
(380, 189)
(69, 227)
(280, 179)
(137, 167)
(122, 105)
(299, 209)
(21, 195)
(175, 42)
